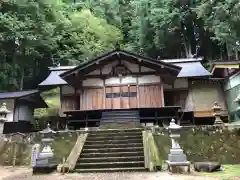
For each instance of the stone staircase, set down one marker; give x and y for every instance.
(112, 150)
(120, 116)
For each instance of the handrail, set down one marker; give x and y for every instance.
(75, 153)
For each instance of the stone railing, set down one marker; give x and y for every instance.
(71, 161)
(151, 154)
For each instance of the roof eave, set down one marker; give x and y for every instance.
(106, 55)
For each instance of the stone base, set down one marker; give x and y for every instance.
(207, 166)
(177, 155)
(44, 169)
(178, 167)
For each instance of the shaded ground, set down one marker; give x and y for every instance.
(9, 173)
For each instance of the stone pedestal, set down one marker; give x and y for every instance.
(176, 157)
(217, 113)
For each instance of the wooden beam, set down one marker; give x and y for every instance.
(206, 113)
(104, 94)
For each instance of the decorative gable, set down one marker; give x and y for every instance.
(119, 70)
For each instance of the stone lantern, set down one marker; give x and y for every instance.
(4, 112)
(45, 159)
(237, 110)
(176, 157)
(217, 113)
(3, 115)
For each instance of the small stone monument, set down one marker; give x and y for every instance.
(217, 113)
(3, 116)
(35, 154)
(176, 158)
(45, 160)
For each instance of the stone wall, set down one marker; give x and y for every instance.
(62, 146)
(205, 143)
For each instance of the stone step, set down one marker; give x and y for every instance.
(122, 125)
(113, 164)
(110, 159)
(123, 133)
(125, 145)
(103, 170)
(119, 112)
(111, 154)
(137, 140)
(104, 150)
(119, 120)
(105, 138)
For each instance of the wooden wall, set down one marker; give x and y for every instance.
(150, 96)
(204, 94)
(92, 99)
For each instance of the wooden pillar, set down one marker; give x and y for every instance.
(75, 99)
(104, 94)
(162, 92)
(138, 105)
(86, 125)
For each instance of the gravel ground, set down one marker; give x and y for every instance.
(26, 174)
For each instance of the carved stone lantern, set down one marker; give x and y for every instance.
(3, 116)
(217, 113)
(176, 157)
(237, 110)
(4, 112)
(45, 160)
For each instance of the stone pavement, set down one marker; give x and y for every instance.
(9, 173)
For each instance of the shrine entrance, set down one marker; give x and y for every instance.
(121, 97)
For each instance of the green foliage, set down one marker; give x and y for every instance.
(230, 172)
(35, 34)
(52, 98)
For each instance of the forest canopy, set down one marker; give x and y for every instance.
(35, 34)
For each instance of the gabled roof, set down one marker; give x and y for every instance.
(54, 78)
(17, 94)
(191, 67)
(123, 55)
(225, 64)
(32, 96)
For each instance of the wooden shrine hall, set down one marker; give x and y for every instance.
(120, 86)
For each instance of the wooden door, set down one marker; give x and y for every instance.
(92, 99)
(125, 97)
(108, 98)
(133, 96)
(116, 97)
(121, 97)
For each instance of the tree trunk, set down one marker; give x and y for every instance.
(21, 79)
(236, 54)
(228, 52)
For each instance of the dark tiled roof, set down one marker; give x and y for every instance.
(192, 69)
(57, 68)
(123, 55)
(17, 94)
(54, 78)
